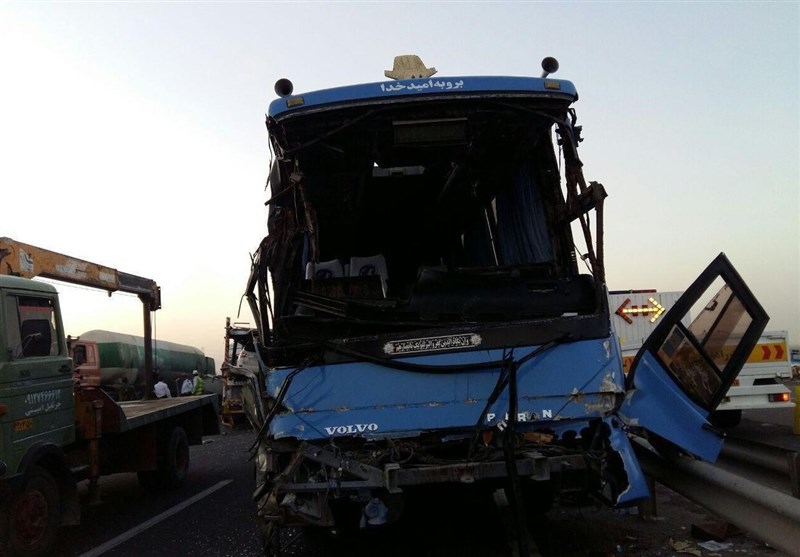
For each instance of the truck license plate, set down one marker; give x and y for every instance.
(22, 425)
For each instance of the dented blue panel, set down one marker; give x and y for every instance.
(637, 485)
(577, 380)
(657, 404)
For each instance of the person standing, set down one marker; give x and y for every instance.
(187, 387)
(127, 392)
(199, 384)
(161, 389)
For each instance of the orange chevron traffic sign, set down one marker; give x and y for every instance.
(768, 352)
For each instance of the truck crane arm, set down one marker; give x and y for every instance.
(24, 260)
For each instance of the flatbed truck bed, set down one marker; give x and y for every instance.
(137, 413)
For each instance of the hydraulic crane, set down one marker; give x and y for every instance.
(27, 261)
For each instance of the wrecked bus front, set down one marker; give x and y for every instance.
(424, 315)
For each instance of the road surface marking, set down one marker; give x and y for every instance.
(111, 544)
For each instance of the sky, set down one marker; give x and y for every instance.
(132, 133)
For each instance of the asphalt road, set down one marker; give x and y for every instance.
(212, 515)
(132, 522)
(217, 521)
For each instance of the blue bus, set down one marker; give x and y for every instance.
(431, 309)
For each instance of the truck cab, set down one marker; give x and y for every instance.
(36, 384)
(56, 431)
(85, 358)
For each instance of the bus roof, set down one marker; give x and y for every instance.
(449, 87)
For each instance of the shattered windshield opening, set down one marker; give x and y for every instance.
(424, 215)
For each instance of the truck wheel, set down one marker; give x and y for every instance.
(174, 462)
(35, 515)
(725, 418)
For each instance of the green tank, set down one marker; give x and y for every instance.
(122, 355)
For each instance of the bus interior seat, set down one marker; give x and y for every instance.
(370, 266)
(324, 270)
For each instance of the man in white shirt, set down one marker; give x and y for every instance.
(186, 387)
(161, 390)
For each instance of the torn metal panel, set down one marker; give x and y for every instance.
(389, 402)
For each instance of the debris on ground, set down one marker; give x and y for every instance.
(684, 547)
(712, 545)
(716, 530)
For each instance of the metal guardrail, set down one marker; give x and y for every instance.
(765, 513)
(783, 464)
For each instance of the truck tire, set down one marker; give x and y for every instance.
(173, 467)
(173, 462)
(725, 418)
(35, 515)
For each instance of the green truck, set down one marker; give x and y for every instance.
(104, 358)
(56, 432)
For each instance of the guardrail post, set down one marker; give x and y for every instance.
(794, 473)
(797, 410)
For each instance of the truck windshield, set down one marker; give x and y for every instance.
(31, 327)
